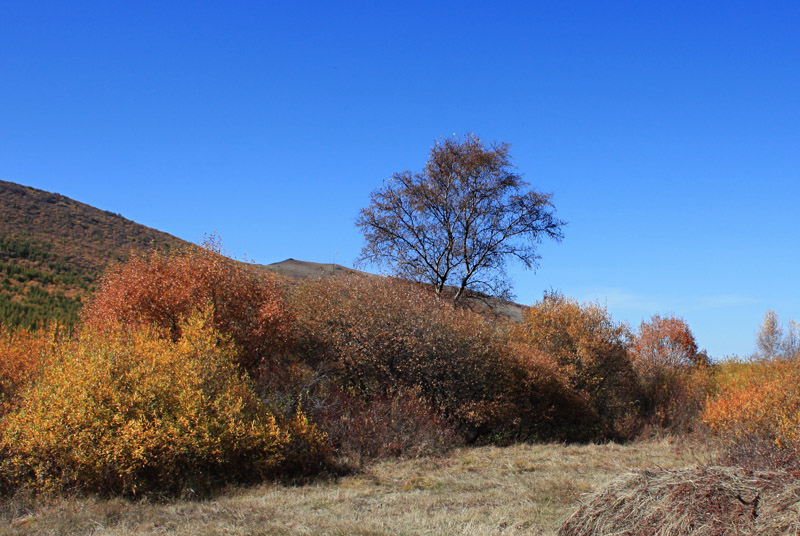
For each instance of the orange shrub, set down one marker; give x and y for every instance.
(126, 410)
(675, 376)
(665, 343)
(376, 336)
(757, 400)
(590, 350)
(22, 356)
(164, 289)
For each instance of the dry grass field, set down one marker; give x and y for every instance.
(522, 489)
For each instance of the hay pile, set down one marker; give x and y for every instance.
(711, 501)
(782, 515)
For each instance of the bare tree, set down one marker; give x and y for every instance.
(773, 342)
(769, 339)
(791, 341)
(459, 221)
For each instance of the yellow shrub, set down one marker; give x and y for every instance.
(129, 411)
(757, 400)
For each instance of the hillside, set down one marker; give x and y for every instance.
(298, 270)
(53, 250)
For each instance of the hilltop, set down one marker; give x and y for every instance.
(299, 270)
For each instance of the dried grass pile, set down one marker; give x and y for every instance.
(782, 515)
(710, 501)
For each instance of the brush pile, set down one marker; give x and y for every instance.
(710, 501)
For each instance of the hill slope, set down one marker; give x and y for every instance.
(53, 250)
(298, 270)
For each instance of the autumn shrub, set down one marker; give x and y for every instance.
(400, 424)
(756, 412)
(126, 410)
(163, 289)
(378, 336)
(545, 406)
(675, 376)
(358, 427)
(674, 400)
(23, 355)
(590, 350)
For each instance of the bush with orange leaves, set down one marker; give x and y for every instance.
(675, 376)
(163, 289)
(756, 412)
(126, 410)
(590, 350)
(23, 354)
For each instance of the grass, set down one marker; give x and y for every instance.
(522, 489)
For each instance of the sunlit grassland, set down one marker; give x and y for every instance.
(521, 489)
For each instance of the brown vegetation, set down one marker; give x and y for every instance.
(590, 350)
(89, 238)
(380, 335)
(708, 501)
(375, 337)
(675, 376)
(191, 371)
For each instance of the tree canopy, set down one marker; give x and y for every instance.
(459, 221)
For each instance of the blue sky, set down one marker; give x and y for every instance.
(668, 133)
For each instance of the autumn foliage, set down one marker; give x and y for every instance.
(545, 404)
(164, 289)
(129, 411)
(664, 343)
(756, 411)
(675, 375)
(23, 354)
(400, 424)
(379, 335)
(193, 371)
(590, 351)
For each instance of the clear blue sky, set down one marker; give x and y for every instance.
(668, 132)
